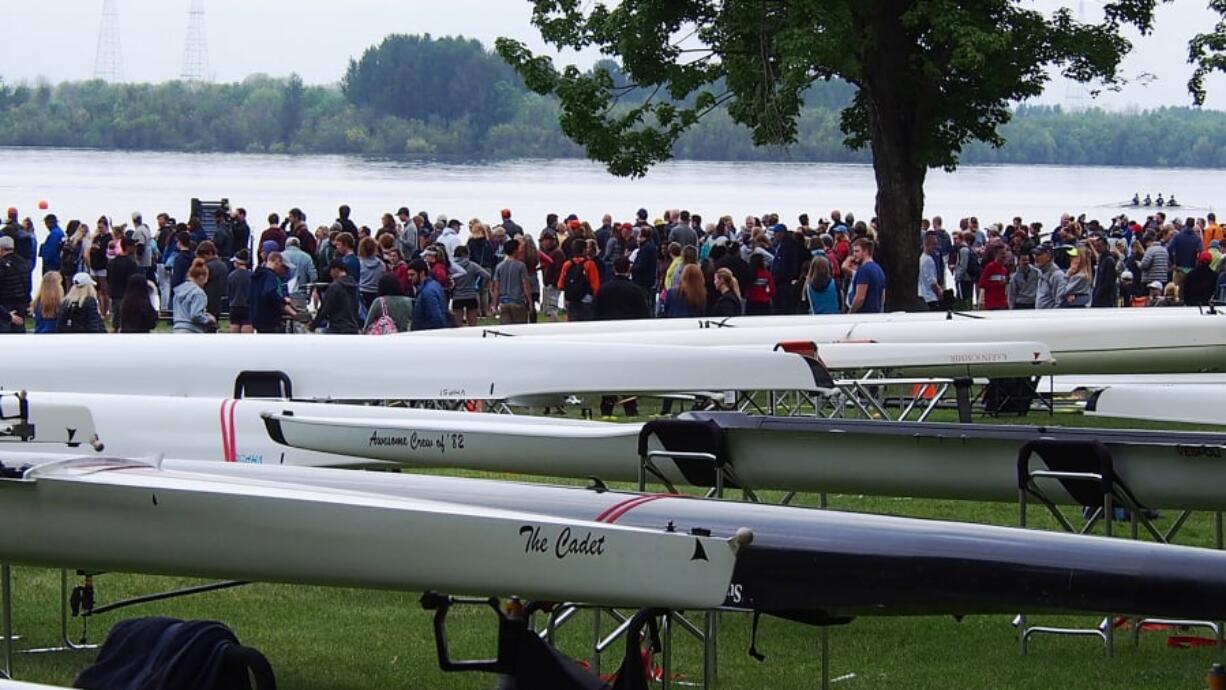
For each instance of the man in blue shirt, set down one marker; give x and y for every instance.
(50, 251)
(869, 283)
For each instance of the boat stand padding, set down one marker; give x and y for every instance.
(1077, 456)
(691, 436)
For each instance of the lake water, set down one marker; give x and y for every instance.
(86, 184)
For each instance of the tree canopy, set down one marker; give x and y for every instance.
(420, 77)
(930, 77)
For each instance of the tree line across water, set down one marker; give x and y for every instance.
(418, 96)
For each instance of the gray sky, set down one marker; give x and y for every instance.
(57, 39)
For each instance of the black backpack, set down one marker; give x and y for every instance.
(72, 320)
(577, 285)
(973, 269)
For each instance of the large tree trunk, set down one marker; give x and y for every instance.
(897, 113)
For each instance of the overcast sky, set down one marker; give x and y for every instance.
(57, 39)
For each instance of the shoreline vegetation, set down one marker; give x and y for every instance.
(418, 97)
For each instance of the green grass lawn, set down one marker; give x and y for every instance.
(338, 638)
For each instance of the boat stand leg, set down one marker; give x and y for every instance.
(962, 390)
(6, 612)
(1217, 542)
(596, 614)
(710, 668)
(666, 654)
(825, 634)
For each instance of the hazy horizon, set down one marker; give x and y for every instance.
(317, 38)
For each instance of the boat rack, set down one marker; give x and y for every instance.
(1086, 470)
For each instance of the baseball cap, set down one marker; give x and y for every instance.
(779, 227)
(505, 213)
(1205, 258)
(1156, 285)
(6, 242)
(1215, 244)
(82, 279)
(270, 246)
(1126, 275)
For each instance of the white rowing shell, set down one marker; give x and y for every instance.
(380, 368)
(624, 328)
(124, 516)
(1187, 403)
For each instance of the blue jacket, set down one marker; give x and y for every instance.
(50, 251)
(1184, 248)
(265, 301)
(430, 310)
(643, 272)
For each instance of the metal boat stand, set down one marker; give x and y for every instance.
(1086, 471)
(707, 634)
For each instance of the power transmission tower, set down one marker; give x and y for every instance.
(196, 54)
(108, 61)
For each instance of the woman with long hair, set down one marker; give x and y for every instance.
(48, 302)
(729, 301)
(820, 289)
(532, 259)
(97, 259)
(136, 314)
(689, 298)
(1079, 281)
(190, 315)
(79, 312)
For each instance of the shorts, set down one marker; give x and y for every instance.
(240, 316)
(470, 303)
(549, 303)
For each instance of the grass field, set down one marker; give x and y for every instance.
(338, 639)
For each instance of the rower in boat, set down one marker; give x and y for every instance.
(1136, 199)
(1148, 201)
(1161, 202)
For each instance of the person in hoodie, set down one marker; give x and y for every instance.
(371, 268)
(339, 307)
(785, 269)
(466, 286)
(430, 309)
(266, 300)
(50, 251)
(190, 315)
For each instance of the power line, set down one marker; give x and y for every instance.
(196, 53)
(108, 61)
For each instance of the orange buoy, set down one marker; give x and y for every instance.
(43, 205)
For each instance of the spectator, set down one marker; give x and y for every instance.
(470, 281)
(1051, 279)
(1155, 264)
(729, 302)
(137, 314)
(1200, 285)
(1106, 292)
(14, 288)
(215, 287)
(620, 298)
(238, 287)
(274, 233)
(579, 281)
(338, 311)
(821, 291)
(430, 309)
(785, 269)
(643, 265)
(190, 302)
(930, 289)
(79, 312)
(761, 289)
(302, 273)
(511, 289)
(994, 279)
(1023, 287)
(1078, 281)
(868, 294)
(50, 251)
(118, 270)
(371, 268)
(689, 299)
(266, 300)
(392, 311)
(48, 301)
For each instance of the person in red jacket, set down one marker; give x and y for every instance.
(579, 281)
(994, 278)
(760, 292)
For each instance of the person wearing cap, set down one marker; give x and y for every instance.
(266, 300)
(1051, 278)
(50, 251)
(79, 313)
(514, 229)
(1200, 285)
(14, 288)
(644, 264)
(338, 311)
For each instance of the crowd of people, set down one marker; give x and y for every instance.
(414, 273)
